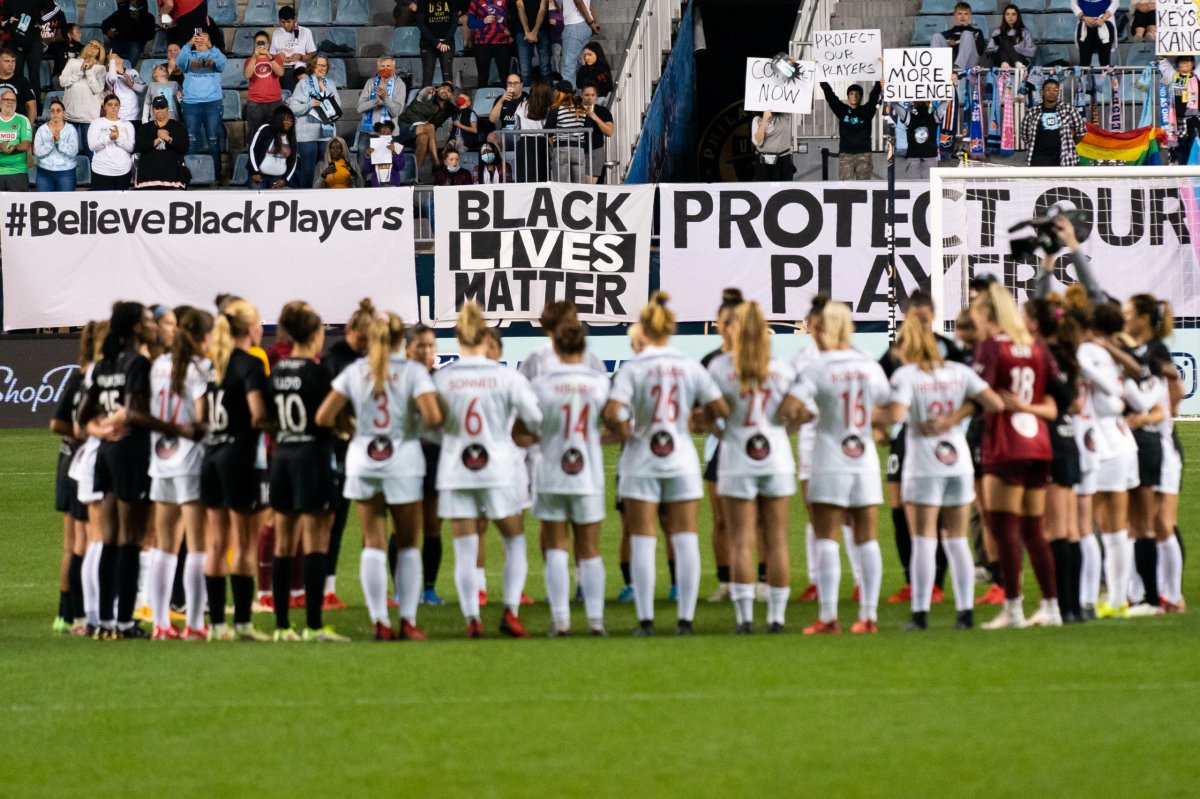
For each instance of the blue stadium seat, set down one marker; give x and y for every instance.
(1139, 54)
(1048, 53)
(261, 13)
(408, 175)
(1058, 5)
(88, 34)
(223, 12)
(1059, 27)
(406, 42)
(940, 7)
(1032, 23)
(157, 46)
(352, 12)
(146, 66)
(243, 42)
(1030, 6)
(231, 105)
(924, 27)
(70, 10)
(83, 171)
(484, 100)
(337, 72)
(469, 161)
(201, 167)
(338, 42)
(97, 11)
(460, 40)
(31, 174)
(46, 104)
(314, 12)
(44, 82)
(231, 75)
(241, 170)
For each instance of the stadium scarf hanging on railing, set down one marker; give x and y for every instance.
(1139, 147)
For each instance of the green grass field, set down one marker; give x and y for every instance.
(1104, 709)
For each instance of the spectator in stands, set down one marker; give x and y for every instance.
(492, 169)
(125, 82)
(73, 40)
(389, 174)
(128, 30)
(964, 39)
(1051, 131)
(579, 24)
(417, 126)
(11, 79)
(404, 13)
(294, 42)
(493, 39)
(771, 136)
(337, 169)
(436, 20)
(53, 28)
(533, 152)
(312, 102)
(1096, 32)
(503, 115)
(161, 145)
(25, 39)
(854, 129)
(595, 70)
(1011, 43)
(185, 17)
(1185, 88)
(83, 85)
(16, 133)
(263, 70)
(554, 22)
(533, 35)
(451, 173)
(111, 141)
(273, 151)
(599, 121)
(571, 162)
(173, 70)
(55, 146)
(921, 120)
(1144, 25)
(201, 64)
(382, 97)
(464, 125)
(161, 85)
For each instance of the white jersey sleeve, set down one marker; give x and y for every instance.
(572, 399)
(174, 456)
(386, 424)
(755, 442)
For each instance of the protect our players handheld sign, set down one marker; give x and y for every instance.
(516, 247)
(912, 74)
(767, 91)
(1178, 28)
(847, 55)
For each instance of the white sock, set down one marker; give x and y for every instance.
(466, 553)
(481, 578)
(1170, 564)
(852, 554)
(921, 566)
(372, 570)
(516, 570)
(591, 578)
(872, 578)
(1116, 574)
(162, 581)
(331, 584)
(1089, 570)
(1136, 589)
(408, 582)
(777, 599)
(91, 582)
(829, 577)
(558, 587)
(687, 572)
(810, 553)
(194, 590)
(742, 596)
(962, 571)
(641, 567)
(144, 563)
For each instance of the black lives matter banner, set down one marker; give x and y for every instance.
(68, 257)
(516, 247)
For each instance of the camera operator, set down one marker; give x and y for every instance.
(1063, 228)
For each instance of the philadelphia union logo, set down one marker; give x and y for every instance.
(758, 448)
(572, 461)
(380, 449)
(662, 444)
(475, 457)
(853, 447)
(946, 453)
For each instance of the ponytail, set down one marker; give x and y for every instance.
(194, 325)
(1162, 320)
(837, 327)
(125, 317)
(917, 344)
(998, 304)
(658, 322)
(471, 326)
(751, 346)
(87, 343)
(731, 298)
(233, 323)
(385, 336)
(363, 317)
(99, 334)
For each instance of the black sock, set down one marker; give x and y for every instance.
(341, 509)
(128, 564)
(314, 587)
(1145, 558)
(1073, 577)
(393, 552)
(216, 599)
(177, 596)
(1061, 550)
(108, 581)
(671, 569)
(281, 584)
(762, 572)
(1179, 537)
(431, 561)
(903, 540)
(75, 581)
(242, 587)
(993, 568)
(940, 565)
(625, 575)
(64, 605)
(722, 574)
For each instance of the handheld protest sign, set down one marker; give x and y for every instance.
(912, 74)
(766, 90)
(847, 55)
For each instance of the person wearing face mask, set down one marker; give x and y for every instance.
(491, 168)
(382, 98)
(451, 173)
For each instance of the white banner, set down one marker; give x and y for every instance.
(847, 55)
(516, 247)
(1178, 30)
(912, 74)
(68, 257)
(767, 91)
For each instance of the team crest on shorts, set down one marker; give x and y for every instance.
(572, 461)
(475, 457)
(166, 446)
(380, 449)
(853, 447)
(758, 448)
(946, 453)
(662, 443)
(1089, 440)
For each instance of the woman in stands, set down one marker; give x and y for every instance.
(479, 398)
(842, 388)
(649, 407)
(82, 81)
(1011, 44)
(110, 139)
(756, 471)
(569, 475)
(421, 347)
(313, 131)
(938, 483)
(273, 151)
(55, 146)
(229, 481)
(384, 469)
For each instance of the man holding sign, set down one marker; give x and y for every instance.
(854, 129)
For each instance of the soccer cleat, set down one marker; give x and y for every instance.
(133, 633)
(1046, 615)
(774, 628)
(383, 632)
(79, 629)
(474, 628)
(864, 626)
(264, 604)
(297, 602)
(1107, 611)
(248, 632)
(903, 595)
(1143, 609)
(1173, 607)
(857, 595)
(993, 596)
(324, 635)
(176, 615)
(684, 627)
(430, 597)
(673, 594)
(393, 603)
(411, 632)
(645, 629)
(525, 600)
(1007, 619)
(721, 594)
(558, 632)
(143, 613)
(483, 597)
(745, 628)
(599, 630)
(965, 620)
(330, 602)
(919, 622)
(189, 634)
(287, 635)
(626, 595)
(60, 626)
(1089, 612)
(168, 633)
(809, 594)
(221, 632)
(510, 625)
(819, 627)
(938, 596)
(105, 634)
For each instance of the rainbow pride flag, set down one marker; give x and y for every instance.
(1138, 147)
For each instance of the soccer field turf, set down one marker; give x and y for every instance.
(1102, 709)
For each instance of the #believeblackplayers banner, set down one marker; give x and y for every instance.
(68, 257)
(516, 247)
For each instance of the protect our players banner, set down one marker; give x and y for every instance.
(68, 257)
(516, 247)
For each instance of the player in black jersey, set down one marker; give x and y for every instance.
(301, 472)
(229, 484)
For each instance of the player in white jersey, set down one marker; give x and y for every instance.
(843, 388)
(1170, 555)
(479, 397)
(650, 405)
(569, 479)
(546, 357)
(178, 381)
(938, 482)
(756, 471)
(387, 394)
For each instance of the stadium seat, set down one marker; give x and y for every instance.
(406, 42)
(223, 12)
(1059, 28)
(44, 81)
(485, 99)
(338, 42)
(157, 46)
(1030, 7)
(337, 72)
(352, 12)
(31, 174)
(97, 11)
(1058, 5)
(243, 42)
(231, 75)
(1049, 53)
(469, 161)
(408, 175)
(231, 105)
(314, 12)
(146, 66)
(939, 7)
(201, 167)
(241, 170)
(412, 95)
(46, 104)
(261, 13)
(1139, 54)
(83, 171)
(87, 34)
(1032, 23)
(924, 27)
(460, 40)
(70, 10)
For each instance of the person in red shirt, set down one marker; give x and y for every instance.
(185, 16)
(263, 71)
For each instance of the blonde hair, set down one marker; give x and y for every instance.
(751, 346)
(917, 344)
(998, 304)
(233, 322)
(386, 334)
(99, 333)
(471, 327)
(837, 327)
(658, 322)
